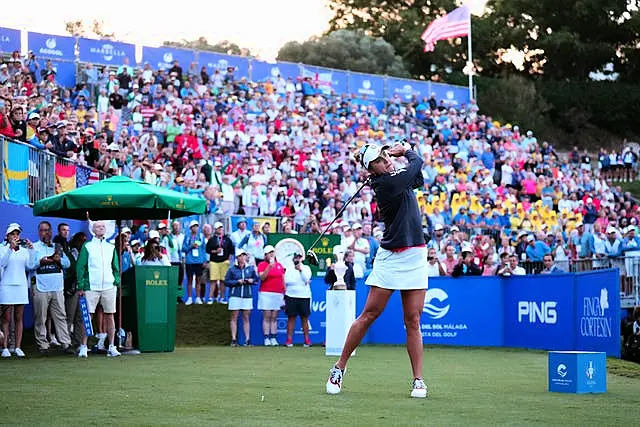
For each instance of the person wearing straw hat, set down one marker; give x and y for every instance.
(240, 278)
(15, 260)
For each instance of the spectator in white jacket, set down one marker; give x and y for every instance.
(297, 298)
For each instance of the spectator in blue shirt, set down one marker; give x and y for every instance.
(631, 242)
(536, 250)
(583, 242)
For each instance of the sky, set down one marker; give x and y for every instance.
(263, 26)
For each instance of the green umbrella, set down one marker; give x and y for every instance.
(119, 198)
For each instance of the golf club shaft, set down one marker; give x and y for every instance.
(338, 215)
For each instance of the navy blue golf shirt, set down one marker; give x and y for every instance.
(398, 206)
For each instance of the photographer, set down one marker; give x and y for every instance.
(435, 268)
(48, 294)
(504, 269)
(15, 260)
(466, 266)
(297, 298)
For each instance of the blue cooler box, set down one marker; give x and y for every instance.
(577, 372)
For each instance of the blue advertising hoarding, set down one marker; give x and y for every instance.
(9, 40)
(597, 309)
(52, 46)
(163, 57)
(217, 61)
(261, 71)
(407, 89)
(453, 96)
(105, 52)
(368, 85)
(539, 311)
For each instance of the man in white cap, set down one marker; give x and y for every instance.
(220, 249)
(194, 248)
(98, 272)
(360, 248)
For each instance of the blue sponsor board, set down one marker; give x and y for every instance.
(105, 52)
(52, 46)
(217, 61)
(261, 71)
(163, 57)
(9, 40)
(577, 372)
(407, 90)
(368, 85)
(539, 311)
(454, 96)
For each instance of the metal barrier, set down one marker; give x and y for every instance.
(629, 267)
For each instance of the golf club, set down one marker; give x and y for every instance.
(311, 257)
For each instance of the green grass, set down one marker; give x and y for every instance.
(632, 187)
(223, 386)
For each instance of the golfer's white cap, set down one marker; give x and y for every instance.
(370, 152)
(217, 225)
(268, 249)
(13, 227)
(193, 222)
(153, 234)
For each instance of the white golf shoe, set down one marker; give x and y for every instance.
(419, 388)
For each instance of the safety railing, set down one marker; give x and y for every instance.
(628, 265)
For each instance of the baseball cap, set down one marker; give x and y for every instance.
(153, 234)
(243, 219)
(240, 251)
(268, 249)
(162, 225)
(135, 242)
(611, 230)
(356, 226)
(589, 200)
(33, 115)
(193, 222)
(13, 227)
(438, 227)
(218, 224)
(579, 224)
(455, 228)
(125, 230)
(530, 238)
(370, 152)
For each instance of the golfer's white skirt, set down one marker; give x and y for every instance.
(270, 300)
(400, 270)
(237, 303)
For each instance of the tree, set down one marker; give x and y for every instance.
(343, 49)
(79, 28)
(201, 43)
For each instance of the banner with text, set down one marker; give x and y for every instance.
(453, 96)
(9, 40)
(106, 52)
(217, 61)
(407, 89)
(163, 57)
(367, 85)
(52, 46)
(261, 71)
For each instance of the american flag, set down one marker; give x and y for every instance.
(454, 24)
(86, 176)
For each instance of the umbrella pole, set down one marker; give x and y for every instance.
(119, 252)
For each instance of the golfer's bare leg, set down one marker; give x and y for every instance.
(376, 302)
(412, 303)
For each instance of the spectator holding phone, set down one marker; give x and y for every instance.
(297, 298)
(15, 260)
(239, 279)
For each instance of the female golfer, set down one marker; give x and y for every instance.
(401, 261)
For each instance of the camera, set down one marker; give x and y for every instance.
(296, 262)
(22, 242)
(429, 258)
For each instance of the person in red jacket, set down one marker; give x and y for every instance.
(187, 143)
(5, 124)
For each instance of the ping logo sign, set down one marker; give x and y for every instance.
(538, 312)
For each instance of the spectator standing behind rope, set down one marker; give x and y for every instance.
(270, 296)
(220, 250)
(98, 273)
(15, 259)
(297, 298)
(240, 278)
(194, 248)
(71, 303)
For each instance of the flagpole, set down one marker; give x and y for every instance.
(470, 60)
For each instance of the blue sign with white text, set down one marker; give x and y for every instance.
(163, 57)
(261, 71)
(453, 96)
(52, 46)
(217, 61)
(539, 311)
(598, 312)
(367, 85)
(407, 89)
(9, 40)
(106, 52)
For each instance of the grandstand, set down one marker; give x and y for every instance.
(275, 140)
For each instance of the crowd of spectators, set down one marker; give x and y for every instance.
(283, 148)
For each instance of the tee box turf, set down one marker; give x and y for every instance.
(577, 372)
